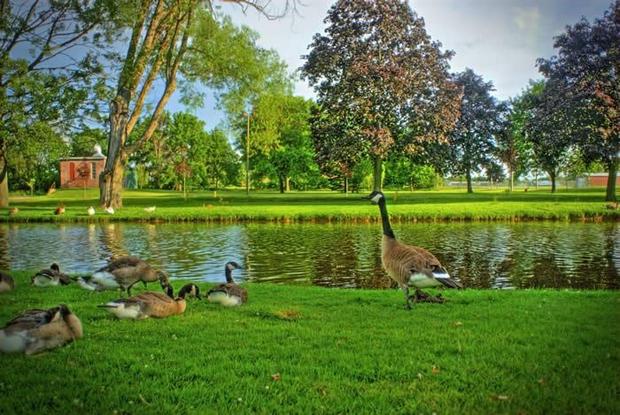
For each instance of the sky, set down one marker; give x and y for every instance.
(498, 39)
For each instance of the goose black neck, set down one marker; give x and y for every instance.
(385, 219)
(229, 278)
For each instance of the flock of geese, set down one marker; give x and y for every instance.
(37, 330)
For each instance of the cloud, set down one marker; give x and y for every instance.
(527, 19)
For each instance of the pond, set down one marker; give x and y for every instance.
(482, 255)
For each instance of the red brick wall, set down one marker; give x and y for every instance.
(601, 180)
(70, 171)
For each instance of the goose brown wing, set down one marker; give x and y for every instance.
(120, 263)
(231, 289)
(157, 304)
(30, 319)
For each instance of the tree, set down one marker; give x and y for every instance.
(221, 163)
(84, 141)
(473, 140)
(513, 148)
(280, 136)
(549, 126)
(585, 73)
(379, 76)
(219, 55)
(37, 81)
(33, 158)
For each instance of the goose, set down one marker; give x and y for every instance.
(124, 272)
(109, 210)
(409, 265)
(37, 330)
(50, 277)
(191, 290)
(150, 209)
(147, 304)
(60, 210)
(6, 282)
(90, 211)
(228, 294)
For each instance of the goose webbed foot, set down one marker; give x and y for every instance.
(423, 297)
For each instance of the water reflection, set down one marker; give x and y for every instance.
(488, 255)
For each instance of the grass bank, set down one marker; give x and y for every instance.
(314, 350)
(235, 206)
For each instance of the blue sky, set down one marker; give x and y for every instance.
(498, 39)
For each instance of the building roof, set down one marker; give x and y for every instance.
(83, 158)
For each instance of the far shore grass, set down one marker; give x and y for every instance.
(295, 349)
(319, 206)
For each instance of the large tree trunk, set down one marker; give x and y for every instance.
(111, 179)
(288, 184)
(281, 183)
(552, 175)
(512, 180)
(4, 183)
(377, 173)
(612, 168)
(346, 185)
(470, 189)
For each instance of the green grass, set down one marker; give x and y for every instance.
(316, 350)
(234, 206)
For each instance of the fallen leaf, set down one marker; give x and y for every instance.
(435, 370)
(276, 377)
(458, 324)
(501, 397)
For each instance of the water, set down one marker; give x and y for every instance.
(485, 255)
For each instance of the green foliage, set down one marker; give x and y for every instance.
(402, 172)
(181, 153)
(280, 142)
(33, 158)
(84, 141)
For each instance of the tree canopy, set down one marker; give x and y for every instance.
(380, 80)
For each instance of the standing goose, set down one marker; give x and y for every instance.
(409, 265)
(50, 277)
(6, 282)
(123, 273)
(37, 330)
(147, 304)
(229, 294)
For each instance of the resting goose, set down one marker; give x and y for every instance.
(6, 282)
(50, 277)
(409, 265)
(229, 294)
(37, 330)
(123, 273)
(190, 290)
(145, 305)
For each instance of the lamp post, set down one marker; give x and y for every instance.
(247, 156)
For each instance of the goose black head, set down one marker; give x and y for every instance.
(232, 265)
(165, 283)
(191, 290)
(375, 197)
(55, 267)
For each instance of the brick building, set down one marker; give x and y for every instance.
(81, 171)
(600, 179)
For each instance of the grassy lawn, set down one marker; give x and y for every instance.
(316, 350)
(233, 205)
